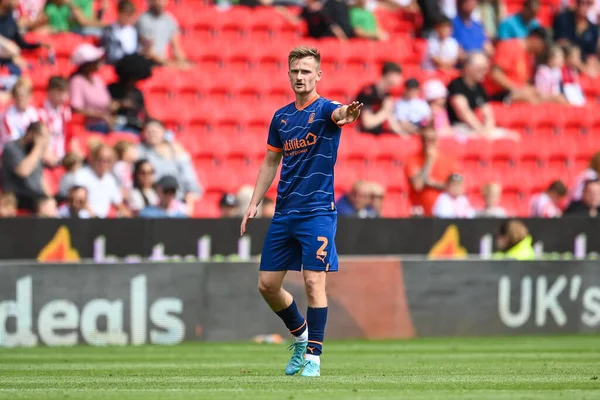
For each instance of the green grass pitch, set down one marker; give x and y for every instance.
(547, 368)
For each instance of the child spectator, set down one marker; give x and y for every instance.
(442, 49)
(127, 154)
(453, 203)
(492, 195)
(547, 204)
(77, 205)
(143, 194)
(377, 195)
(168, 206)
(570, 76)
(364, 23)
(46, 208)
(8, 205)
(411, 109)
(121, 38)
(548, 77)
(228, 206)
(436, 95)
(71, 162)
(18, 116)
(56, 113)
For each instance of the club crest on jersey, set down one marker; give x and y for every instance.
(311, 118)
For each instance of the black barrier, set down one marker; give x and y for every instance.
(67, 304)
(203, 239)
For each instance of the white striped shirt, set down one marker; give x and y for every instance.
(447, 206)
(56, 119)
(548, 80)
(542, 206)
(15, 123)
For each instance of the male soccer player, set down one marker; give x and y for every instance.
(306, 135)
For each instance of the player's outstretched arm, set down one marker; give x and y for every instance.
(266, 174)
(347, 114)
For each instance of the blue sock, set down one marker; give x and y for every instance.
(317, 319)
(292, 319)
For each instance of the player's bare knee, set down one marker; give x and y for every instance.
(315, 285)
(267, 288)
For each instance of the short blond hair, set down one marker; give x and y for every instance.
(22, 84)
(300, 52)
(121, 147)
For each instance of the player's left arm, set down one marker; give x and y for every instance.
(347, 114)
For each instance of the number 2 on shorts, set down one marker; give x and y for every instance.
(322, 253)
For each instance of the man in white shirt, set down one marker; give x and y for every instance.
(101, 185)
(453, 203)
(547, 204)
(411, 110)
(121, 38)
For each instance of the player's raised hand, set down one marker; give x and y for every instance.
(249, 214)
(352, 113)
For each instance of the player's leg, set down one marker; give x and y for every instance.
(317, 235)
(280, 254)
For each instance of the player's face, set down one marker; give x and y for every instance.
(304, 75)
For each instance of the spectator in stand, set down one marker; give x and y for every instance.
(411, 111)
(56, 113)
(70, 16)
(357, 203)
(10, 31)
(329, 18)
(442, 49)
(89, 95)
(27, 13)
(574, 27)
(101, 185)
(548, 77)
(547, 204)
(364, 22)
(468, 33)
(127, 155)
(512, 68)
(453, 203)
(244, 196)
(11, 61)
(121, 38)
(71, 162)
(490, 13)
(467, 98)
(46, 208)
(77, 205)
(436, 96)
(228, 206)
(143, 194)
(131, 111)
(590, 173)
(8, 205)
(428, 172)
(571, 86)
(378, 105)
(158, 31)
(267, 208)
(589, 205)
(170, 158)
(377, 196)
(514, 241)
(492, 196)
(518, 25)
(17, 118)
(22, 166)
(168, 206)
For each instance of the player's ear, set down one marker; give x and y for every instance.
(319, 73)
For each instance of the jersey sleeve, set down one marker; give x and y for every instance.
(329, 108)
(273, 140)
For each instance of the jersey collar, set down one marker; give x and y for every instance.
(307, 104)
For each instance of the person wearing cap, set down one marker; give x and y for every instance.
(442, 49)
(168, 206)
(228, 206)
(436, 95)
(512, 68)
(411, 111)
(453, 203)
(88, 91)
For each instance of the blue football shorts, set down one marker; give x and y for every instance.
(301, 241)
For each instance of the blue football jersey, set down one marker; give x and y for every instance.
(309, 139)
